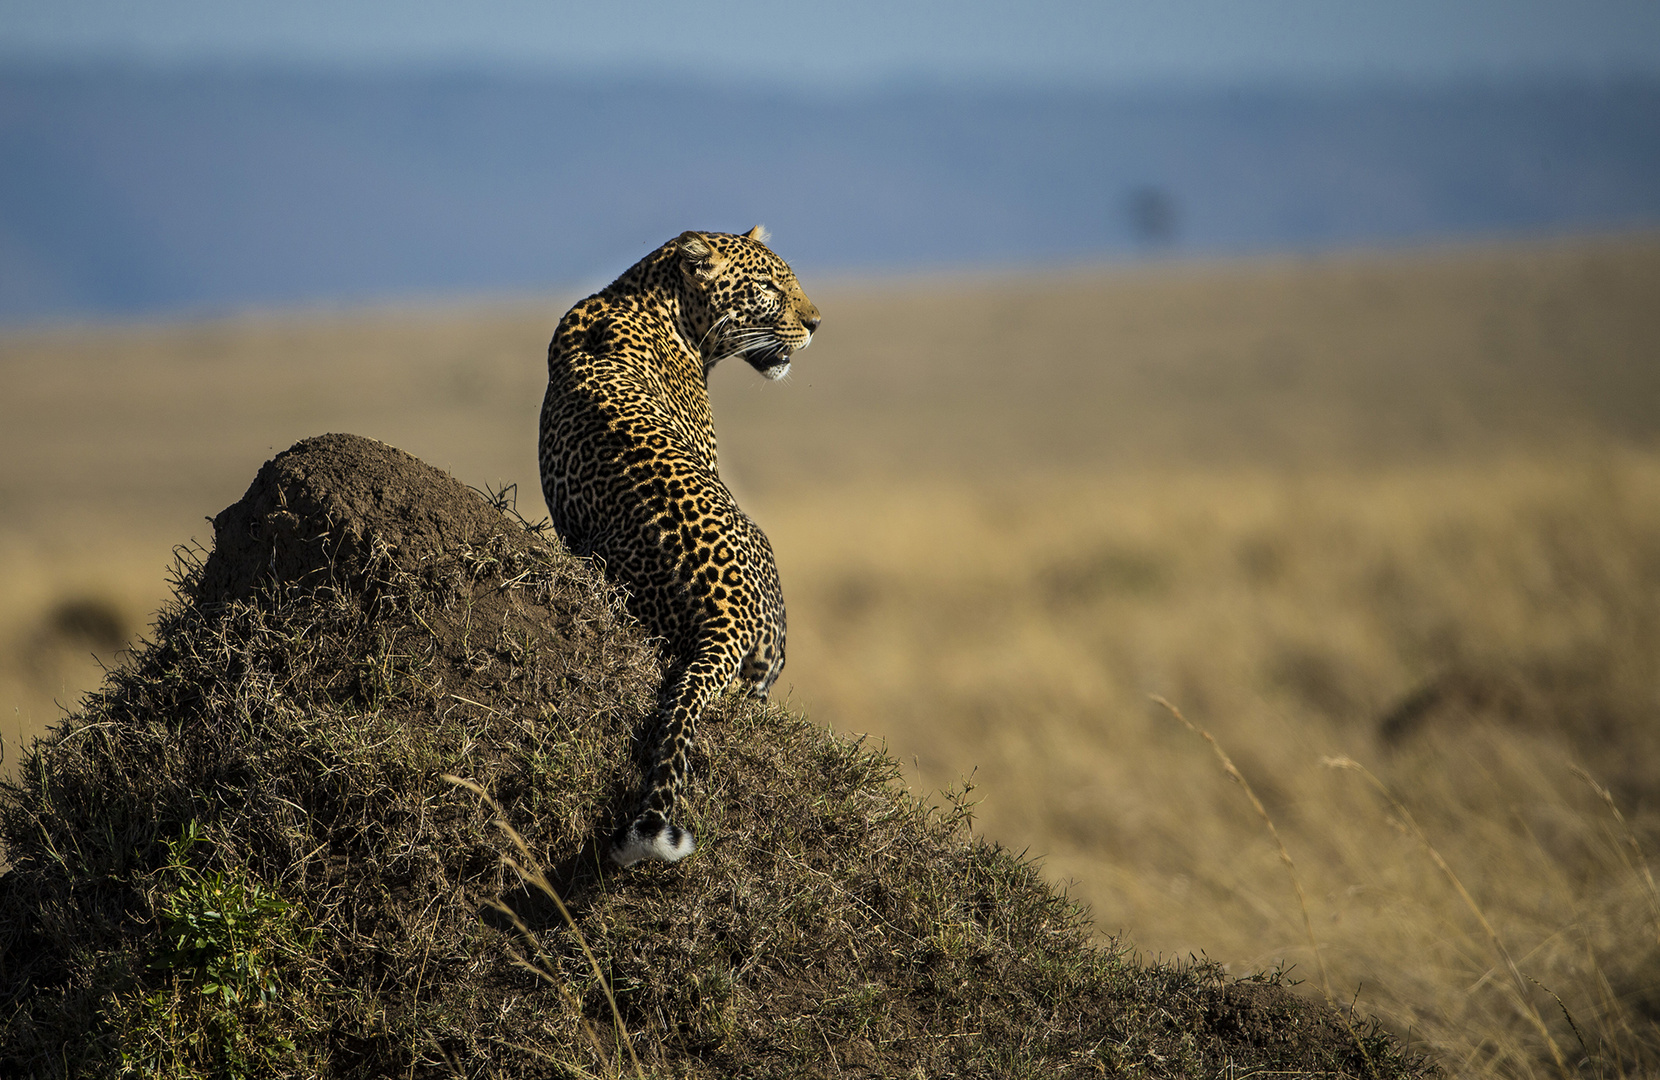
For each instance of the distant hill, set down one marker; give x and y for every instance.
(135, 191)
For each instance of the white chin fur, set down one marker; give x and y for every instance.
(661, 847)
(777, 372)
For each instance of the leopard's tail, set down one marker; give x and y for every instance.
(651, 836)
(653, 833)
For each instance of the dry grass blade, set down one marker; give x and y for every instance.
(530, 872)
(1636, 860)
(545, 973)
(1285, 858)
(1523, 998)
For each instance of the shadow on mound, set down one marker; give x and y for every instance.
(240, 858)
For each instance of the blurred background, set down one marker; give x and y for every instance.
(1296, 362)
(178, 156)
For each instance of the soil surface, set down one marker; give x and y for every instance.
(314, 511)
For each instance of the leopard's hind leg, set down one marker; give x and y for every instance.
(765, 661)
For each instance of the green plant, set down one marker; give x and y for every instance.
(217, 928)
(224, 937)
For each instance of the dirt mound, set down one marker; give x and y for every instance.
(243, 857)
(315, 512)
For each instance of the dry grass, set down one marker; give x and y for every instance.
(1400, 510)
(260, 852)
(1292, 618)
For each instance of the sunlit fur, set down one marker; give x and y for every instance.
(630, 475)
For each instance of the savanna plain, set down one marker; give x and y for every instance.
(1298, 612)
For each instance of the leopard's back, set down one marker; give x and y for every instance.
(630, 471)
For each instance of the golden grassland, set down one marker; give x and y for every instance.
(1399, 512)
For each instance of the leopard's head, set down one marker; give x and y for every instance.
(751, 303)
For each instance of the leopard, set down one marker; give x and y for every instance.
(629, 470)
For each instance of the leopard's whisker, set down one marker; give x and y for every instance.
(716, 325)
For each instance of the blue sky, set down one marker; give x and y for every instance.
(850, 44)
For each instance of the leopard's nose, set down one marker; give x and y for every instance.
(811, 324)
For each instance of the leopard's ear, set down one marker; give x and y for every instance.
(697, 256)
(693, 245)
(759, 233)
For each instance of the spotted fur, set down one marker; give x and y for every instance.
(629, 471)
